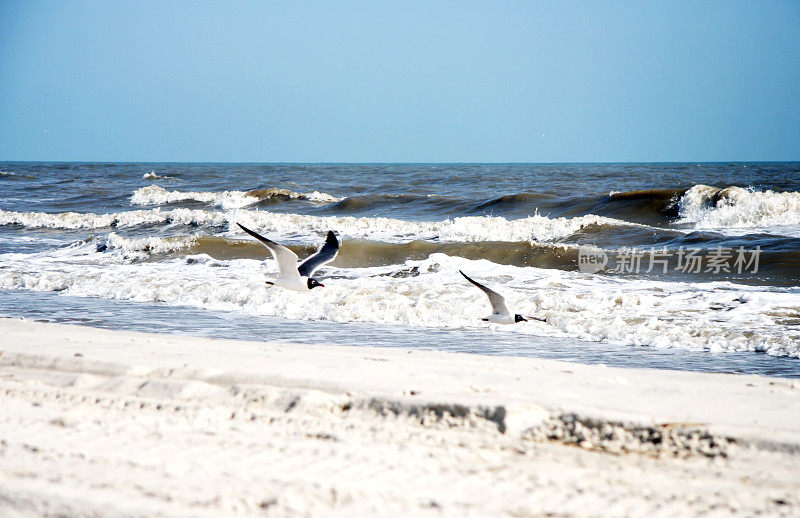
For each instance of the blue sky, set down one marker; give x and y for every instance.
(400, 82)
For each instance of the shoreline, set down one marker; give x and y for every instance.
(313, 404)
(136, 316)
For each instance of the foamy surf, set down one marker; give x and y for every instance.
(355, 253)
(716, 317)
(146, 247)
(468, 228)
(157, 195)
(79, 220)
(706, 207)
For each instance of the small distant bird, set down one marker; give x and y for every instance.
(500, 314)
(291, 276)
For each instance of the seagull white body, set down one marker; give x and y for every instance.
(290, 275)
(500, 313)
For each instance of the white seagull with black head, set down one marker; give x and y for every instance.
(291, 276)
(500, 314)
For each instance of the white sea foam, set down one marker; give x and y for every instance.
(708, 207)
(79, 220)
(718, 317)
(156, 195)
(37, 240)
(152, 175)
(143, 247)
(471, 228)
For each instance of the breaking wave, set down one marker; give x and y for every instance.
(152, 175)
(468, 228)
(708, 207)
(80, 220)
(355, 253)
(157, 195)
(145, 247)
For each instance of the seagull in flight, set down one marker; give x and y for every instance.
(500, 314)
(291, 276)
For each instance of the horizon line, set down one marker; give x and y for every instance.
(400, 163)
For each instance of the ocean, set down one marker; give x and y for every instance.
(679, 266)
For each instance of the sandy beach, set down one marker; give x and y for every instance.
(102, 423)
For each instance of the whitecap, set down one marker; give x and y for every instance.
(80, 220)
(157, 195)
(152, 175)
(706, 207)
(465, 229)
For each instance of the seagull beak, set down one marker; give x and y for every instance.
(321, 285)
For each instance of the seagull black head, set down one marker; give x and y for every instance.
(314, 283)
(519, 318)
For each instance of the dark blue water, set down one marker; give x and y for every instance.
(90, 187)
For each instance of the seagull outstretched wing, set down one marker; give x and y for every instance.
(325, 255)
(286, 259)
(495, 299)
